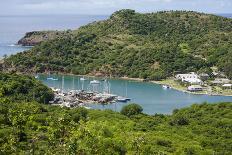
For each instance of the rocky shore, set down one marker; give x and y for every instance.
(35, 37)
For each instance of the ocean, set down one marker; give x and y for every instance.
(150, 96)
(12, 28)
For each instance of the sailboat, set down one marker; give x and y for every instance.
(94, 82)
(128, 99)
(36, 76)
(123, 99)
(51, 78)
(82, 78)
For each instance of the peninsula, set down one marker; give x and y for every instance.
(152, 46)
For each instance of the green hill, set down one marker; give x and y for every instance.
(32, 128)
(36, 37)
(152, 46)
(23, 88)
(27, 127)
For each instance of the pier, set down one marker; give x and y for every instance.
(81, 98)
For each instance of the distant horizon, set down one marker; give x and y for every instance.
(107, 7)
(80, 14)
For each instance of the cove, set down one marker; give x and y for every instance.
(152, 97)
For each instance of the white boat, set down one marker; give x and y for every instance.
(94, 82)
(166, 86)
(122, 99)
(82, 79)
(53, 79)
(125, 98)
(49, 78)
(37, 76)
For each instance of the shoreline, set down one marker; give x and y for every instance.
(143, 80)
(193, 93)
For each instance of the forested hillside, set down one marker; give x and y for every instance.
(32, 128)
(29, 127)
(23, 88)
(152, 46)
(36, 37)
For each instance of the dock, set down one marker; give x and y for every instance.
(81, 98)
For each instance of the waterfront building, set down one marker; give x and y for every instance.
(191, 78)
(193, 88)
(220, 81)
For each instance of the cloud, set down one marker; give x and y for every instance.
(109, 6)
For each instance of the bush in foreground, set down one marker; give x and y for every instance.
(131, 109)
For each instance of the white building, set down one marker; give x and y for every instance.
(193, 88)
(227, 86)
(191, 78)
(220, 81)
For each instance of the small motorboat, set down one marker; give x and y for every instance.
(94, 82)
(49, 78)
(166, 86)
(82, 79)
(53, 79)
(122, 99)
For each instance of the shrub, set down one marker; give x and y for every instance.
(131, 109)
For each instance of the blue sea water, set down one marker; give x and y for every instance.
(150, 96)
(228, 15)
(12, 28)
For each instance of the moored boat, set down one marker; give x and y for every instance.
(122, 99)
(94, 82)
(166, 86)
(82, 79)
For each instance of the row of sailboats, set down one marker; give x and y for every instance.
(93, 86)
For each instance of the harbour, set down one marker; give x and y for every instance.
(96, 92)
(152, 97)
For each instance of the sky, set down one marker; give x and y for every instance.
(106, 7)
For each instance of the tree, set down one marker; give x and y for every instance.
(131, 109)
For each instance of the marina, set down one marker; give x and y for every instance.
(82, 97)
(152, 97)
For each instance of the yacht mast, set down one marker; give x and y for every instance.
(73, 84)
(62, 84)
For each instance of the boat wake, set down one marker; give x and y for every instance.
(12, 45)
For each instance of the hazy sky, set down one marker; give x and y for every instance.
(100, 7)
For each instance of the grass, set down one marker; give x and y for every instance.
(216, 90)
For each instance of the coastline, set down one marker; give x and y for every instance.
(185, 91)
(163, 82)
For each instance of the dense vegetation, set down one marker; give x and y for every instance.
(36, 37)
(23, 88)
(153, 45)
(28, 127)
(32, 128)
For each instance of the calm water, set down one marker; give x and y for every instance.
(12, 28)
(152, 97)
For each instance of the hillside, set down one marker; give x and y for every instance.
(36, 37)
(150, 46)
(28, 127)
(32, 128)
(23, 88)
